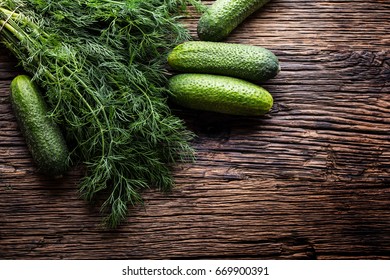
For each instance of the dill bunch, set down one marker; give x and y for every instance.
(102, 65)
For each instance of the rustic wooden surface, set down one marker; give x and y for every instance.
(311, 180)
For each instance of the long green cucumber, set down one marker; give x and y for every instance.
(43, 137)
(223, 16)
(247, 62)
(221, 94)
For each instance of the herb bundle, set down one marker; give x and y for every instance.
(101, 64)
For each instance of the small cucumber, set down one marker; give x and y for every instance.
(221, 94)
(247, 62)
(223, 16)
(43, 136)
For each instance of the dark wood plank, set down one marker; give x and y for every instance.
(311, 180)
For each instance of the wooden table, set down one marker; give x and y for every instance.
(311, 180)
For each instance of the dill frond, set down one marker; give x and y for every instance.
(101, 63)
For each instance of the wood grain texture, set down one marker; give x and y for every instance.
(310, 180)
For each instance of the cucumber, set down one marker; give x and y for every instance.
(247, 62)
(223, 16)
(220, 94)
(43, 137)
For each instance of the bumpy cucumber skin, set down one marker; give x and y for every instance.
(43, 137)
(220, 94)
(223, 16)
(247, 62)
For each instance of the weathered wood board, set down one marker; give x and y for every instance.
(311, 180)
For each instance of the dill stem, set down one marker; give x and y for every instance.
(10, 28)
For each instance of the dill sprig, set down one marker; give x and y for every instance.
(101, 63)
